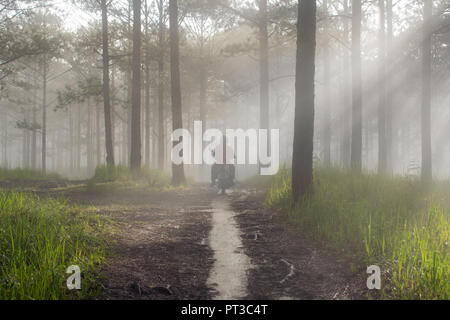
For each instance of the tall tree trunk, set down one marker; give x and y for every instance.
(24, 145)
(5, 141)
(161, 116)
(135, 156)
(129, 82)
(125, 136)
(426, 92)
(34, 141)
(356, 156)
(389, 92)
(154, 133)
(147, 89)
(263, 65)
(106, 89)
(382, 156)
(177, 115)
(89, 155)
(79, 139)
(113, 118)
(346, 143)
(148, 118)
(98, 134)
(44, 116)
(71, 142)
(302, 159)
(326, 102)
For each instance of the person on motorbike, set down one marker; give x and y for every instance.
(225, 163)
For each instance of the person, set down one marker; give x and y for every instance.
(227, 160)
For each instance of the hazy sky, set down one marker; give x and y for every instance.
(74, 16)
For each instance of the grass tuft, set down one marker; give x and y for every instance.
(151, 178)
(39, 239)
(391, 222)
(26, 174)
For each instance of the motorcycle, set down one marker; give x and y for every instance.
(225, 177)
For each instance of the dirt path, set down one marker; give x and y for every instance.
(195, 244)
(288, 266)
(229, 275)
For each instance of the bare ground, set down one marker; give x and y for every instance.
(162, 251)
(288, 266)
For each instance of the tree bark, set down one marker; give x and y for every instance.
(356, 156)
(426, 92)
(79, 139)
(135, 156)
(147, 90)
(161, 117)
(382, 155)
(24, 144)
(346, 139)
(33, 142)
(326, 103)
(98, 135)
(264, 65)
(106, 89)
(89, 155)
(302, 160)
(389, 92)
(177, 119)
(44, 116)
(71, 142)
(5, 141)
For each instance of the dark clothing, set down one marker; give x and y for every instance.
(215, 169)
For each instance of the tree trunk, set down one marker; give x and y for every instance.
(106, 89)
(264, 65)
(356, 156)
(135, 156)
(98, 134)
(346, 143)
(302, 159)
(161, 117)
(27, 143)
(389, 92)
(79, 139)
(177, 119)
(129, 79)
(382, 156)
(326, 102)
(5, 141)
(89, 155)
(33, 141)
(71, 142)
(147, 114)
(44, 116)
(426, 92)
(147, 89)
(113, 118)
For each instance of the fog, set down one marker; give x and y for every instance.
(220, 63)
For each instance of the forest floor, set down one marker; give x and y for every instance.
(195, 244)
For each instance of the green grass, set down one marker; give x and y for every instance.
(39, 239)
(258, 181)
(391, 222)
(26, 174)
(149, 177)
